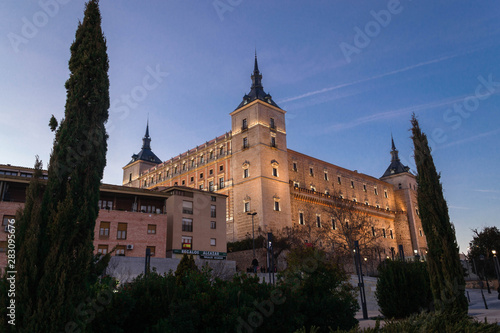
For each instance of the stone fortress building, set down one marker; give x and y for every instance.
(253, 166)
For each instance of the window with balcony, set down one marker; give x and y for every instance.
(187, 242)
(221, 182)
(211, 186)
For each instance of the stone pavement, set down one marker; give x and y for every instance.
(476, 304)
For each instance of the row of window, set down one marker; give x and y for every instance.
(339, 180)
(120, 249)
(334, 226)
(121, 233)
(246, 206)
(247, 145)
(244, 124)
(187, 224)
(187, 242)
(163, 176)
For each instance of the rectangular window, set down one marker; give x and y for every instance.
(318, 221)
(390, 233)
(221, 168)
(244, 124)
(221, 183)
(334, 227)
(200, 187)
(375, 191)
(271, 123)
(385, 194)
(311, 172)
(187, 207)
(122, 231)
(383, 233)
(187, 224)
(183, 182)
(347, 225)
(102, 249)
(6, 219)
(211, 186)
(339, 180)
(352, 183)
(152, 229)
(326, 175)
(277, 206)
(213, 211)
(275, 172)
(213, 198)
(421, 234)
(3, 246)
(245, 143)
(120, 250)
(246, 207)
(201, 175)
(364, 187)
(152, 250)
(201, 159)
(211, 172)
(213, 225)
(294, 168)
(245, 173)
(301, 218)
(212, 241)
(273, 142)
(373, 232)
(192, 163)
(104, 230)
(187, 242)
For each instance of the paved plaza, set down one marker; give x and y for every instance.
(476, 305)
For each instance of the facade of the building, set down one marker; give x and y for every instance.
(170, 221)
(253, 166)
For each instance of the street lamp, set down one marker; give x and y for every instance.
(497, 269)
(253, 238)
(417, 257)
(481, 257)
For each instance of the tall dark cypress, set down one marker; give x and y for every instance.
(69, 207)
(445, 269)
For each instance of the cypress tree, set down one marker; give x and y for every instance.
(445, 270)
(69, 207)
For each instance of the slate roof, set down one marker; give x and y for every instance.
(146, 154)
(257, 90)
(396, 166)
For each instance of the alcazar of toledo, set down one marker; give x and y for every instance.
(253, 166)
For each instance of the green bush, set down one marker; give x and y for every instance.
(403, 288)
(246, 244)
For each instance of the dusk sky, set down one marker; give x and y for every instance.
(348, 73)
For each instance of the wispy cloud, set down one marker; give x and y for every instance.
(393, 113)
(397, 71)
(487, 191)
(470, 139)
(459, 207)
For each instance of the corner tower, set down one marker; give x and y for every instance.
(409, 232)
(259, 162)
(140, 162)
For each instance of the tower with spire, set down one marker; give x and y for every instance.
(260, 161)
(408, 225)
(140, 162)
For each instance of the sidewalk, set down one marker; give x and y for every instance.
(476, 305)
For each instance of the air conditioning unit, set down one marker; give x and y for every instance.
(130, 247)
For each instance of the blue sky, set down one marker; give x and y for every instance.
(349, 73)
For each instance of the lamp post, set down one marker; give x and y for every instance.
(253, 238)
(497, 270)
(481, 257)
(417, 257)
(361, 284)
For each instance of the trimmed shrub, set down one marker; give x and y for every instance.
(403, 288)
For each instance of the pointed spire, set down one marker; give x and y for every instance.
(394, 151)
(256, 76)
(146, 140)
(147, 129)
